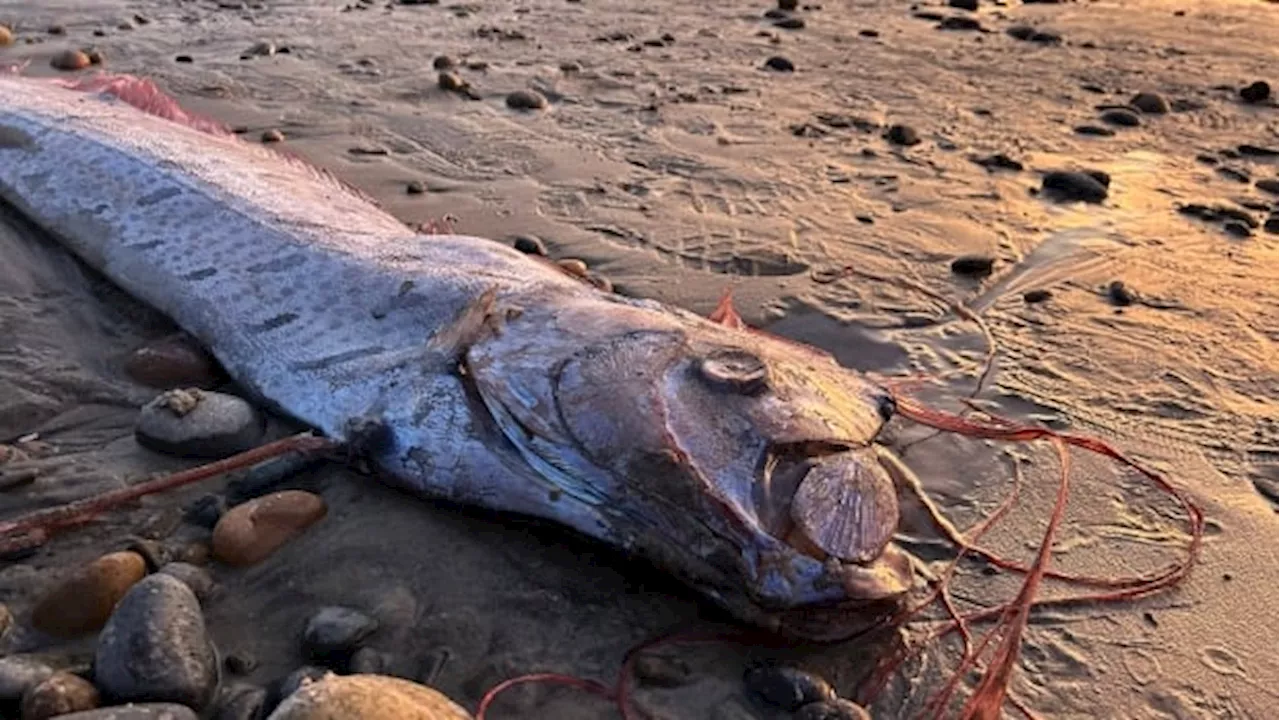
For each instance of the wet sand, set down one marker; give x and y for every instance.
(677, 168)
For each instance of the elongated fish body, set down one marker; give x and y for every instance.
(500, 381)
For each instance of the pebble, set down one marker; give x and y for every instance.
(239, 663)
(287, 685)
(662, 671)
(443, 62)
(1270, 185)
(194, 577)
(94, 55)
(334, 633)
(141, 711)
(155, 647)
(574, 267)
(266, 477)
(1032, 297)
(1120, 294)
(904, 135)
(415, 187)
(973, 265)
(173, 362)
(83, 602)
(530, 245)
(1026, 33)
(837, 709)
(1072, 185)
(70, 60)
(1256, 92)
(57, 695)
(788, 5)
(240, 702)
(526, 100)
(367, 697)
(19, 673)
(1150, 103)
(1094, 130)
(205, 511)
(778, 63)
(1272, 225)
(272, 136)
(971, 5)
(786, 687)
(1121, 118)
(452, 82)
(960, 22)
(999, 161)
(1257, 150)
(6, 36)
(251, 531)
(189, 422)
(789, 23)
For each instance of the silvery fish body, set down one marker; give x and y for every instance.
(743, 463)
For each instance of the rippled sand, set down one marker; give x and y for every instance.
(675, 169)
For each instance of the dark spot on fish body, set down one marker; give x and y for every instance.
(148, 245)
(16, 138)
(331, 360)
(158, 196)
(279, 264)
(274, 323)
(201, 274)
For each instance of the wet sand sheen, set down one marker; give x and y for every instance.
(673, 169)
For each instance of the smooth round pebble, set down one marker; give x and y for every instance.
(367, 697)
(837, 709)
(778, 63)
(1032, 297)
(196, 578)
(574, 267)
(1120, 118)
(526, 100)
(173, 362)
(138, 711)
(57, 695)
(451, 82)
(415, 187)
(1255, 92)
(334, 633)
(272, 136)
(786, 687)
(195, 423)
(84, 601)
(1072, 185)
(443, 62)
(973, 265)
(251, 531)
(70, 60)
(530, 245)
(1120, 294)
(904, 135)
(1150, 103)
(18, 674)
(6, 36)
(155, 647)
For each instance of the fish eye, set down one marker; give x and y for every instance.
(738, 370)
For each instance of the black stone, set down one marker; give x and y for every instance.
(786, 687)
(973, 265)
(779, 64)
(334, 633)
(1071, 185)
(1256, 92)
(904, 135)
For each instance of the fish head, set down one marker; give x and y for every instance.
(742, 462)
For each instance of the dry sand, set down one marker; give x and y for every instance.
(672, 169)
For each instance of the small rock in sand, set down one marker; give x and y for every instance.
(140, 711)
(904, 135)
(526, 100)
(57, 695)
(788, 5)
(973, 265)
(194, 577)
(964, 4)
(786, 687)
(190, 422)
(999, 161)
(960, 22)
(1270, 185)
(155, 647)
(367, 697)
(1150, 103)
(1031, 297)
(70, 60)
(789, 23)
(334, 633)
(1256, 92)
(450, 82)
(1071, 185)
(1094, 131)
(415, 187)
(56, 30)
(251, 531)
(171, 362)
(661, 671)
(530, 245)
(1120, 294)
(1272, 224)
(837, 709)
(777, 63)
(84, 601)
(6, 36)
(574, 267)
(272, 136)
(1121, 118)
(443, 62)
(18, 674)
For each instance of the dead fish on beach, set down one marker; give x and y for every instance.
(742, 463)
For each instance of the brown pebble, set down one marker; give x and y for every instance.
(272, 136)
(601, 282)
(59, 694)
(451, 82)
(415, 187)
(83, 602)
(367, 696)
(6, 36)
(173, 362)
(443, 62)
(56, 30)
(526, 100)
(94, 55)
(70, 60)
(251, 531)
(574, 267)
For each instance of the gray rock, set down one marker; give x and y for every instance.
(194, 576)
(155, 647)
(17, 673)
(199, 424)
(143, 711)
(334, 633)
(240, 702)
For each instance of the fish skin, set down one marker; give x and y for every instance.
(329, 309)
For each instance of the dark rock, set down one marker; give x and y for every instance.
(661, 671)
(287, 685)
(185, 59)
(1071, 185)
(1216, 213)
(443, 62)
(788, 5)
(141, 711)
(17, 674)
(1027, 33)
(415, 187)
(776, 14)
(1235, 174)
(971, 5)
(904, 135)
(1272, 225)
(1032, 297)
(1256, 92)
(1235, 228)
(526, 100)
(267, 477)
(786, 687)
(778, 63)
(928, 15)
(869, 33)
(1270, 185)
(530, 245)
(57, 695)
(451, 82)
(789, 23)
(1121, 118)
(240, 702)
(1120, 294)
(960, 22)
(1150, 103)
(1257, 150)
(1094, 130)
(155, 648)
(837, 709)
(334, 633)
(999, 161)
(1207, 159)
(973, 265)
(205, 511)
(199, 424)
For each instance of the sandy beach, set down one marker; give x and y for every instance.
(677, 160)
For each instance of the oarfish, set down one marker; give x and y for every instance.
(742, 463)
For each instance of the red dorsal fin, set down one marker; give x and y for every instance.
(725, 314)
(147, 97)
